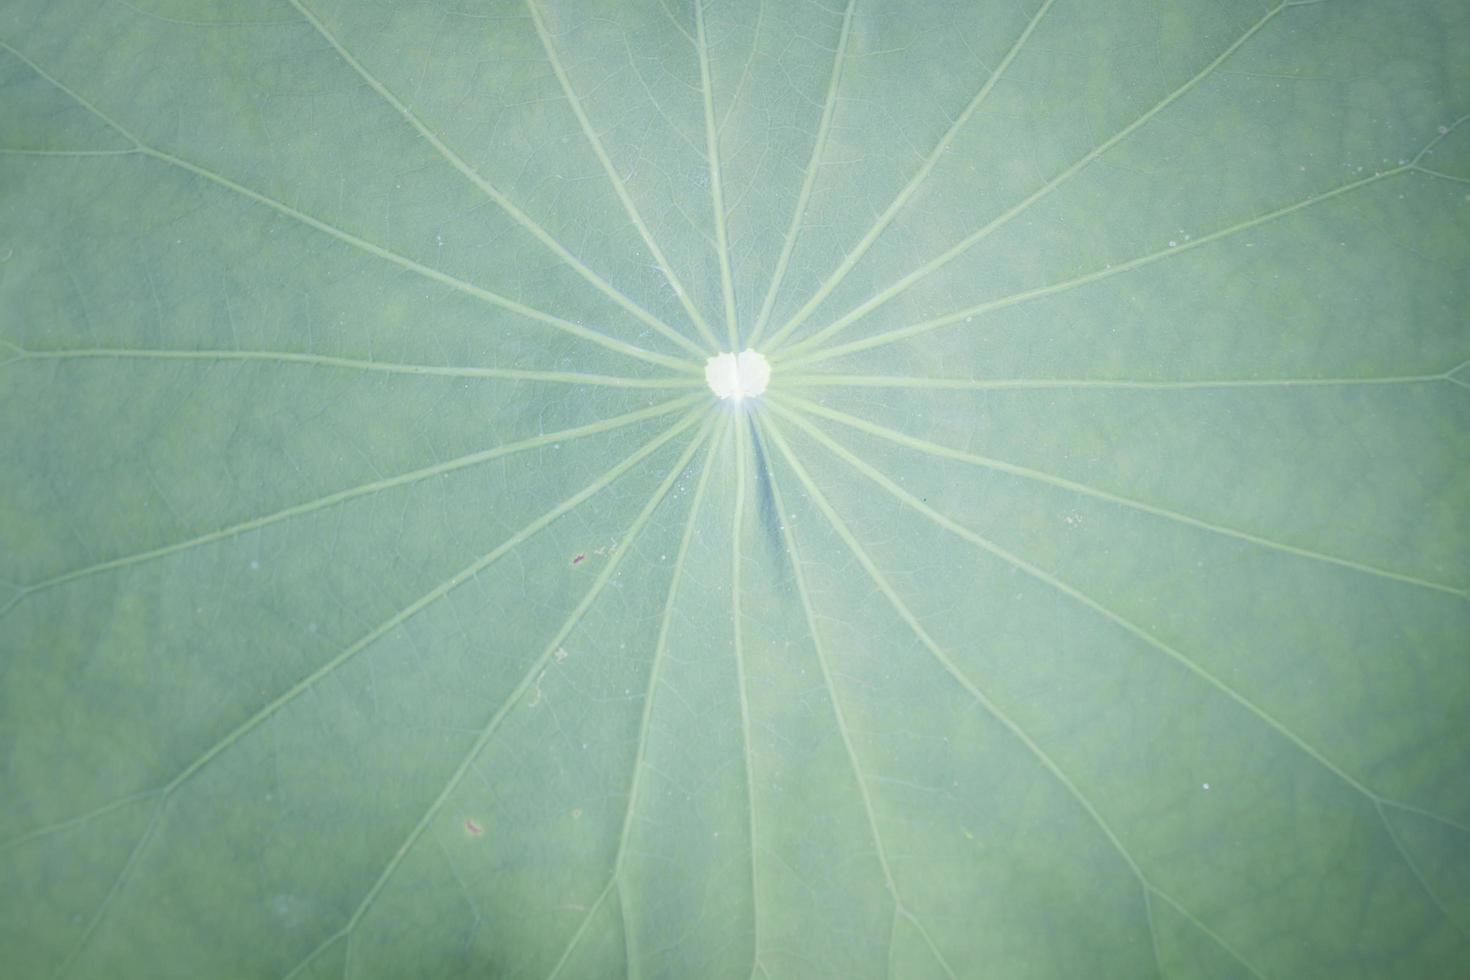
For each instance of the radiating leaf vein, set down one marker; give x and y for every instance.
(614, 178)
(980, 541)
(850, 261)
(491, 191)
(601, 426)
(527, 681)
(1005, 217)
(1073, 486)
(635, 779)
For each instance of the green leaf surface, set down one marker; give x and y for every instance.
(384, 594)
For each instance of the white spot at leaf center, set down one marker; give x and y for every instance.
(745, 376)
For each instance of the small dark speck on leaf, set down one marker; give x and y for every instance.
(473, 827)
(580, 557)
